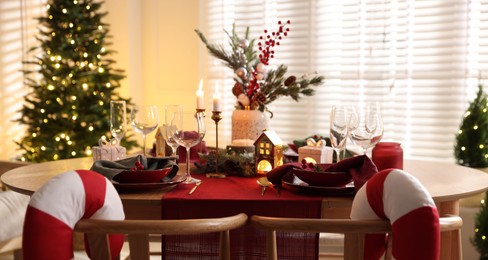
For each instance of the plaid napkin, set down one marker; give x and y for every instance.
(360, 167)
(111, 168)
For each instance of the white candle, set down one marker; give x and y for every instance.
(200, 95)
(216, 98)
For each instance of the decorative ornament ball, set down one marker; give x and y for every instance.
(241, 72)
(260, 76)
(261, 68)
(243, 99)
(237, 89)
(243, 43)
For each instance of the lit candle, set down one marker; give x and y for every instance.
(216, 98)
(200, 95)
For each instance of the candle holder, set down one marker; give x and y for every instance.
(216, 117)
(201, 111)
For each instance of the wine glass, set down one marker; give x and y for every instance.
(365, 124)
(144, 120)
(118, 119)
(374, 112)
(188, 131)
(170, 140)
(339, 120)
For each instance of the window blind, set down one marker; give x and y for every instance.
(420, 59)
(17, 28)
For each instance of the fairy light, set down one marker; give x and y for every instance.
(108, 85)
(88, 7)
(73, 118)
(475, 127)
(100, 27)
(69, 142)
(463, 148)
(64, 11)
(34, 135)
(85, 54)
(57, 139)
(53, 34)
(48, 6)
(45, 120)
(73, 98)
(85, 86)
(482, 146)
(55, 157)
(100, 70)
(50, 87)
(43, 111)
(73, 153)
(90, 128)
(72, 41)
(43, 148)
(70, 25)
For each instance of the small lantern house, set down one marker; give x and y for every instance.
(160, 143)
(268, 152)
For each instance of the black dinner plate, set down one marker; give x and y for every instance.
(146, 186)
(321, 190)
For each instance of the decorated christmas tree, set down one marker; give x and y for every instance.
(471, 148)
(72, 81)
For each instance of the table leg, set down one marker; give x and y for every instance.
(451, 240)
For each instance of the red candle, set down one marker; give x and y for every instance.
(388, 155)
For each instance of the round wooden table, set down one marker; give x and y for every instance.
(447, 183)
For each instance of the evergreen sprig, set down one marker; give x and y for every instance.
(275, 84)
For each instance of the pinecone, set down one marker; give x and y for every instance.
(290, 80)
(260, 97)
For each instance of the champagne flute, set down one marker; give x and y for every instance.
(363, 126)
(374, 117)
(144, 120)
(339, 120)
(118, 119)
(170, 140)
(188, 131)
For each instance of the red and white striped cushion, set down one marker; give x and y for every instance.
(398, 196)
(58, 205)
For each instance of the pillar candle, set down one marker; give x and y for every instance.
(216, 98)
(200, 96)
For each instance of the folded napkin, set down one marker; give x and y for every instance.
(360, 167)
(111, 168)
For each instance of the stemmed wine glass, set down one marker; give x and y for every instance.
(366, 126)
(144, 120)
(170, 140)
(339, 120)
(118, 119)
(188, 131)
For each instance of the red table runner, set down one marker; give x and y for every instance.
(228, 196)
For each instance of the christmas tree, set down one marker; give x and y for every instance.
(68, 108)
(471, 148)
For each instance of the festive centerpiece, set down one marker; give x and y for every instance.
(257, 84)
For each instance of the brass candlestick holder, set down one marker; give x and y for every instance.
(216, 117)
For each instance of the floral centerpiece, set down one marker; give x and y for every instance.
(256, 83)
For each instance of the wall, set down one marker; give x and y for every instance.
(158, 49)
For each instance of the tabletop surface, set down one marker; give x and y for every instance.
(444, 181)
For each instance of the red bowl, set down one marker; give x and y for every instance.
(148, 176)
(324, 179)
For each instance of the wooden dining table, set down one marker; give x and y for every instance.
(447, 183)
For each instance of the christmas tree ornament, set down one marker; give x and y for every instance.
(241, 72)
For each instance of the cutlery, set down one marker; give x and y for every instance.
(263, 182)
(194, 188)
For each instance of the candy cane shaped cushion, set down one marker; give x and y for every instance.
(399, 197)
(58, 205)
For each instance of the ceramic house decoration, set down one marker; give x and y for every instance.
(160, 143)
(316, 152)
(268, 152)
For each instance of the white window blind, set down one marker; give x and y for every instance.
(17, 28)
(420, 59)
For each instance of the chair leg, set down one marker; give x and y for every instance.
(353, 246)
(271, 251)
(224, 245)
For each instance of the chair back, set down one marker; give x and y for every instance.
(392, 201)
(138, 232)
(56, 207)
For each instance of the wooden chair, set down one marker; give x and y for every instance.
(353, 230)
(138, 232)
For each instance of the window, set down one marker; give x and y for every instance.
(17, 28)
(420, 59)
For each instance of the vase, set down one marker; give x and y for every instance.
(248, 124)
